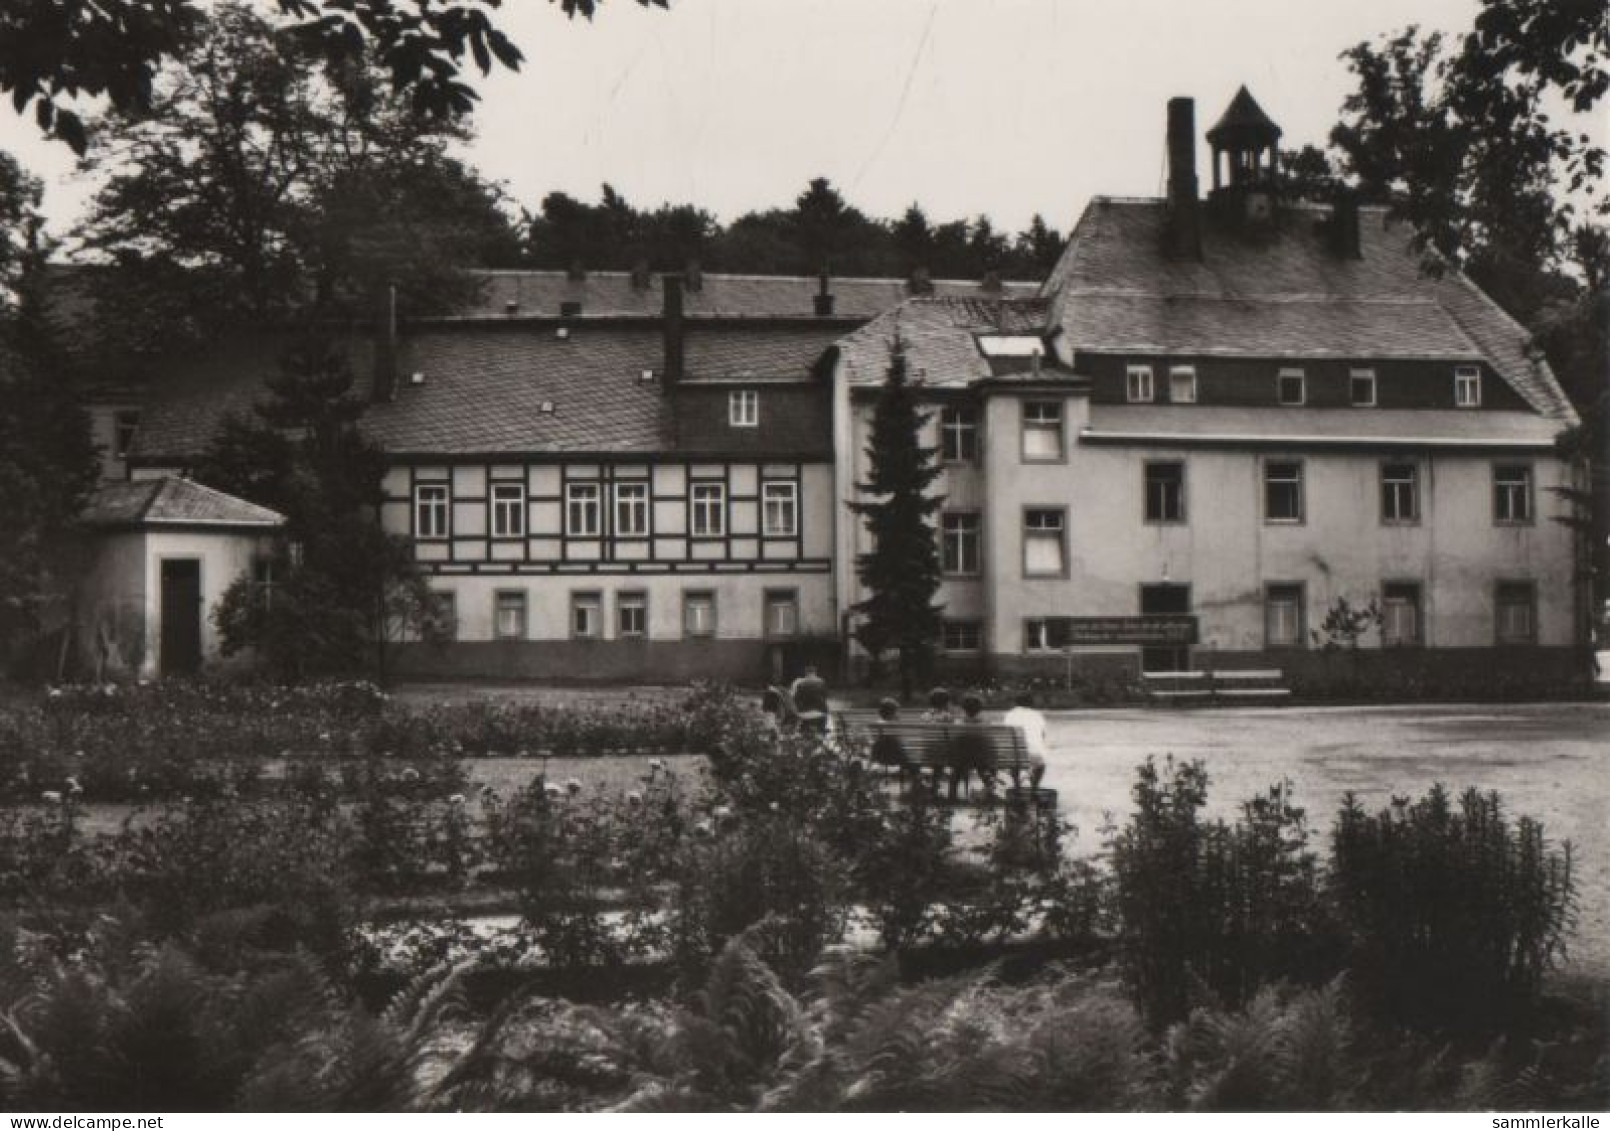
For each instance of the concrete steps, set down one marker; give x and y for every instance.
(1264, 685)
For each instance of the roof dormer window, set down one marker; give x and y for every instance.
(1467, 386)
(1138, 384)
(1292, 387)
(1182, 384)
(743, 408)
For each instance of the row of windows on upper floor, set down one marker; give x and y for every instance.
(511, 620)
(1285, 617)
(1043, 439)
(585, 514)
(1284, 503)
(1141, 386)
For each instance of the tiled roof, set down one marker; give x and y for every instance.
(941, 337)
(611, 294)
(484, 387)
(172, 502)
(1282, 290)
(1311, 326)
(1244, 115)
(1198, 423)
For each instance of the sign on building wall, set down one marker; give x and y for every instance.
(1149, 631)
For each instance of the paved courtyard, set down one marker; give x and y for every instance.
(1548, 761)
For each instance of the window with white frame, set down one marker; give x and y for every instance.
(582, 510)
(1401, 620)
(509, 614)
(960, 636)
(431, 502)
(1291, 387)
(1042, 430)
(1165, 491)
(1042, 634)
(699, 614)
(1516, 612)
(631, 616)
(1283, 490)
(447, 611)
(782, 612)
(1400, 493)
(1044, 542)
(743, 408)
(1283, 614)
(779, 508)
(960, 543)
(508, 510)
(707, 504)
(958, 434)
(586, 616)
(1361, 388)
(631, 510)
(1138, 384)
(1512, 493)
(1467, 386)
(1182, 384)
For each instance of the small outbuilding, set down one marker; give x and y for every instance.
(158, 555)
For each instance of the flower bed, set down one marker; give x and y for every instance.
(148, 742)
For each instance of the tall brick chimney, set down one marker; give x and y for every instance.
(823, 299)
(384, 385)
(1184, 205)
(671, 324)
(1345, 232)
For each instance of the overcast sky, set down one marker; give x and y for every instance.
(1008, 107)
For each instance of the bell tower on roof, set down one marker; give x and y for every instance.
(1246, 158)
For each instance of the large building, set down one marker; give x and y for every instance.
(1217, 419)
(607, 476)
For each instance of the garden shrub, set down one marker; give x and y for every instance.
(1453, 914)
(1208, 907)
(589, 870)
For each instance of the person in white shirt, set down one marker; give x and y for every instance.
(1025, 718)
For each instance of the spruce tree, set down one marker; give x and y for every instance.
(901, 571)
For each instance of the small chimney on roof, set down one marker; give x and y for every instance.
(1345, 233)
(824, 296)
(991, 282)
(1184, 207)
(642, 279)
(920, 283)
(674, 330)
(695, 276)
(576, 273)
(385, 349)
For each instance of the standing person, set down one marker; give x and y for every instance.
(809, 693)
(1025, 718)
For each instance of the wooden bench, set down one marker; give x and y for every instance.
(933, 746)
(1216, 686)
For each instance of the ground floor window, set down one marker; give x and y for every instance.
(1517, 612)
(509, 614)
(631, 615)
(1042, 634)
(961, 636)
(1401, 619)
(782, 612)
(447, 608)
(1283, 615)
(586, 616)
(699, 614)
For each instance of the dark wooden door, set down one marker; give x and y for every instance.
(181, 616)
(1165, 599)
